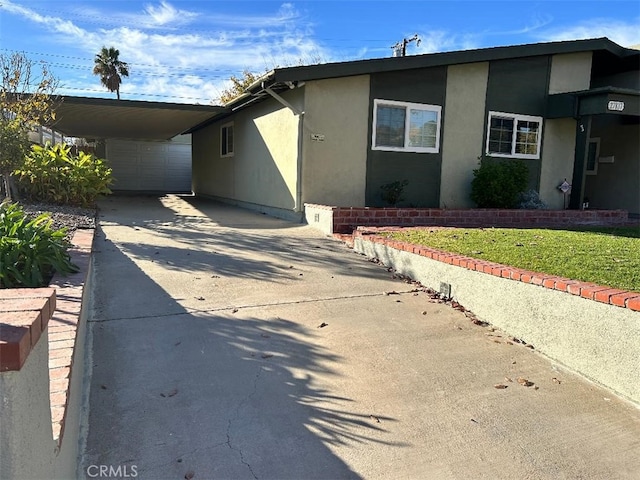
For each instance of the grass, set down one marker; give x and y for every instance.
(605, 256)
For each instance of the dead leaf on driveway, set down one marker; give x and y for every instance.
(189, 475)
(500, 386)
(524, 382)
(172, 393)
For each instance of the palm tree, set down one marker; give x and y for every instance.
(110, 69)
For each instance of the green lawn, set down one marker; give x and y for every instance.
(606, 256)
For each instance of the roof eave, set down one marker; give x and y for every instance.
(379, 65)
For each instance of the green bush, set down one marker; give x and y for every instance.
(498, 184)
(52, 174)
(392, 192)
(30, 251)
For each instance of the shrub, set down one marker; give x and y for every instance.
(498, 184)
(52, 175)
(531, 200)
(392, 192)
(30, 251)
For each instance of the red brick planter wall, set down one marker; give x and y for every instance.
(347, 219)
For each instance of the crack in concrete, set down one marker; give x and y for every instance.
(180, 458)
(237, 415)
(249, 306)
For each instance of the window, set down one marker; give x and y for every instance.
(226, 140)
(511, 135)
(593, 152)
(406, 127)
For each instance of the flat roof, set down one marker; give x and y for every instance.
(131, 119)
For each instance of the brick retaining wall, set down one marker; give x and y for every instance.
(347, 219)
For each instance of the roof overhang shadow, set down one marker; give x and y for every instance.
(102, 118)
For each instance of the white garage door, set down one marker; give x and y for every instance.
(150, 166)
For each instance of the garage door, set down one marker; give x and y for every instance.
(150, 166)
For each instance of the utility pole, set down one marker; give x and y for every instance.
(400, 48)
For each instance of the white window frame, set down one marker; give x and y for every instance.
(224, 129)
(516, 118)
(407, 105)
(593, 171)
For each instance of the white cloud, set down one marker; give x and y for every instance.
(444, 41)
(166, 13)
(193, 63)
(623, 33)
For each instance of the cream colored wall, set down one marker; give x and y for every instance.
(334, 170)
(463, 130)
(263, 169)
(570, 72)
(558, 151)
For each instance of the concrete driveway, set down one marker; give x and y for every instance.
(231, 345)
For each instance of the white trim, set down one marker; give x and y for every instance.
(407, 105)
(516, 118)
(233, 143)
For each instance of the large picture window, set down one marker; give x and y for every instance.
(512, 135)
(226, 140)
(406, 127)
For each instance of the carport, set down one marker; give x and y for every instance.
(143, 141)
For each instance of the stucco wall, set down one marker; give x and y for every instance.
(334, 167)
(421, 170)
(558, 150)
(597, 340)
(570, 72)
(263, 169)
(25, 433)
(463, 130)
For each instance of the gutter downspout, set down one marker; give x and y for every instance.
(300, 114)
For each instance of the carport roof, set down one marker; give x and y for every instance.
(132, 119)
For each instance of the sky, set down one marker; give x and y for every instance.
(186, 51)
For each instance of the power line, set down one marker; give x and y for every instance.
(199, 69)
(136, 94)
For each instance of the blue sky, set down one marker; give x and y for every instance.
(185, 51)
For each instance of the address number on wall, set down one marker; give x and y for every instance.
(615, 106)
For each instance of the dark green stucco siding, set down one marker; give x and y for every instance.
(422, 170)
(520, 86)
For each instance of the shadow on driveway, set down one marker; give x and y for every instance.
(219, 394)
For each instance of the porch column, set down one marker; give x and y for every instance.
(583, 129)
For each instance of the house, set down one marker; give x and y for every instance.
(335, 133)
